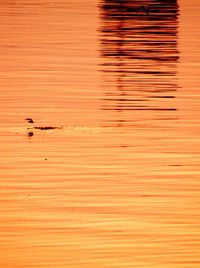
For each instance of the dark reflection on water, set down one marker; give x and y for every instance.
(139, 55)
(30, 134)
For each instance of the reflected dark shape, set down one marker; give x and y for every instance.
(30, 134)
(139, 54)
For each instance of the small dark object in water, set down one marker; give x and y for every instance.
(30, 134)
(143, 8)
(30, 120)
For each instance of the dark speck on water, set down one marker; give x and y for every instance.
(30, 134)
(30, 120)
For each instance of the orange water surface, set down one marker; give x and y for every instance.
(115, 181)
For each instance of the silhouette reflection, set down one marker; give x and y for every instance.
(139, 54)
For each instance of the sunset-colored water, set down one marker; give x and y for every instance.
(115, 182)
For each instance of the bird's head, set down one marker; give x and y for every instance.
(30, 120)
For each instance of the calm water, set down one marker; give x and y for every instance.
(117, 184)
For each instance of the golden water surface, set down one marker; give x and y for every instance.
(116, 182)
